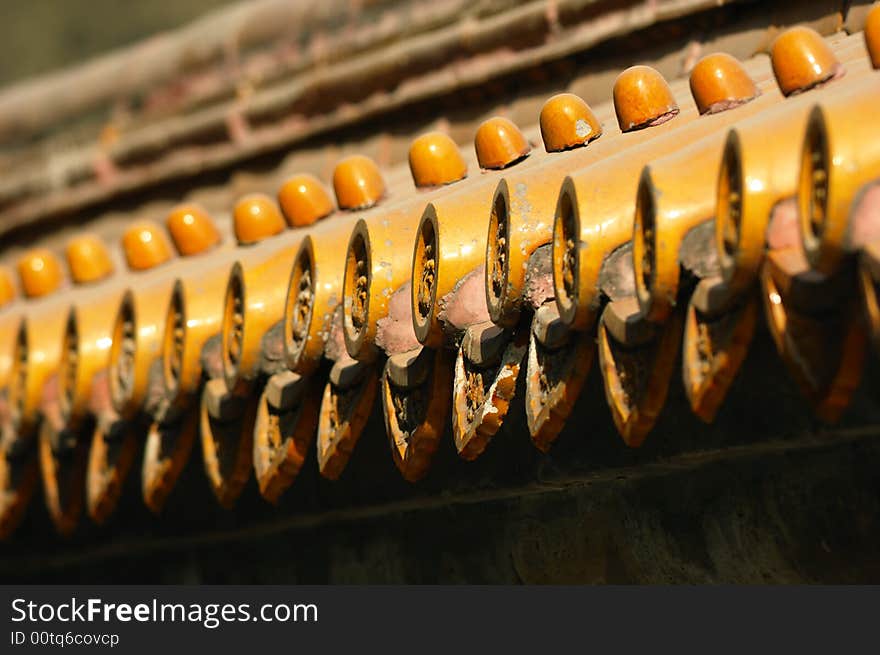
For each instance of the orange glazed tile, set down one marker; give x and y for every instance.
(40, 273)
(568, 122)
(88, 259)
(802, 59)
(720, 82)
(256, 217)
(7, 289)
(192, 229)
(357, 182)
(304, 200)
(145, 246)
(872, 35)
(499, 143)
(642, 98)
(434, 160)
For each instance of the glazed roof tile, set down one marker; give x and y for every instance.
(384, 310)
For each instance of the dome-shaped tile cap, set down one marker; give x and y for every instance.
(802, 59)
(357, 182)
(304, 200)
(192, 229)
(40, 273)
(7, 288)
(499, 143)
(145, 245)
(568, 122)
(434, 160)
(256, 217)
(872, 35)
(88, 259)
(642, 98)
(719, 82)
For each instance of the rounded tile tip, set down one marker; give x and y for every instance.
(499, 143)
(7, 287)
(192, 229)
(304, 200)
(256, 217)
(642, 98)
(88, 259)
(872, 35)
(719, 82)
(145, 245)
(435, 160)
(39, 272)
(568, 122)
(358, 183)
(801, 60)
